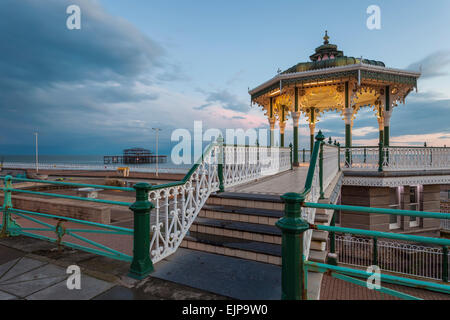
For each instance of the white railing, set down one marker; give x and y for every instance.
(309, 214)
(404, 158)
(246, 163)
(330, 163)
(360, 158)
(330, 166)
(395, 158)
(304, 156)
(178, 204)
(404, 258)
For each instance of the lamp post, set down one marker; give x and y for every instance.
(37, 162)
(157, 158)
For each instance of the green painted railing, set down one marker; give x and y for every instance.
(293, 227)
(45, 225)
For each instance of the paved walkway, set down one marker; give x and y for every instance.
(32, 269)
(288, 181)
(337, 289)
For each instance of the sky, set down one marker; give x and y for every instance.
(139, 64)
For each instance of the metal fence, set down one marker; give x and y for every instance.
(403, 258)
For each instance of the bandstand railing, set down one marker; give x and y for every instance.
(297, 227)
(381, 158)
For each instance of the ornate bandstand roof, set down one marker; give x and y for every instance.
(319, 83)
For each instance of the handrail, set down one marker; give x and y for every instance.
(387, 235)
(311, 169)
(188, 174)
(119, 203)
(69, 184)
(420, 214)
(414, 147)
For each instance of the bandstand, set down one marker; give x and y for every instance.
(332, 81)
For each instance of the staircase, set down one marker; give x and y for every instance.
(242, 225)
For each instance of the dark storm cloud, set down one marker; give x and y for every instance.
(225, 99)
(61, 81)
(434, 65)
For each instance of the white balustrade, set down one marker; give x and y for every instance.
(403, 258)
(395, 158)
(246, 163)
(410, 158)
(330, 163)
(177, 206)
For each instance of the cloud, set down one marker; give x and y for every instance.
(433, 65)
(225, 99)
(362, 132)
(79, 88)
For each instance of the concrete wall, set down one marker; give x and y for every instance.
(88, 211)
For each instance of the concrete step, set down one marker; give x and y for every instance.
(237, 229)
(318, 245)
(321, 218)
(320, 235)
(317, 256)
(234, 247)
(242, 214)
(247, 200)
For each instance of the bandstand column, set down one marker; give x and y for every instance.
(381, 129)
(387, 116)
(272, 129)
(282, 127)
(295, 120)
(312, 127)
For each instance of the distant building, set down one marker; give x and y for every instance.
(135, 156)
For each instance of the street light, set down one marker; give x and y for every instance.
(37, 162)
(157, 159)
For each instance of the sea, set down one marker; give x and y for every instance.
(84, 162)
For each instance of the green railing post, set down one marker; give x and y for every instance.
(220, 164)
(293, 275)
(320, 137)
(445, 263)
(332, 259)
(375, 251)
(141, 266)
(290, 153)
(304, 151)
(8, 221)
(339, 155)
(330, 141)
(365, 155)
(380, 157)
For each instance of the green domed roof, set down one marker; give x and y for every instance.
(328, 56)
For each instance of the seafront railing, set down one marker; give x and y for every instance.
(162, 214)
(381, 158)
(397, 257)
(90, 167)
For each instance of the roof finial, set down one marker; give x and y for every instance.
(326, 37)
